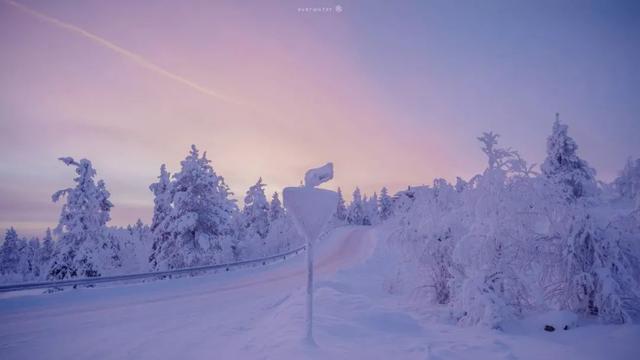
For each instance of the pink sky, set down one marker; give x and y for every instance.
(373, 89)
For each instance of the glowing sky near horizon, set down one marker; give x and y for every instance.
(394, 93)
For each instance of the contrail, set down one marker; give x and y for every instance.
(126, 53)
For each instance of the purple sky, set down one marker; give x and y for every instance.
(394, 93)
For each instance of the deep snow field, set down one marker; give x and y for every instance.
(258, 313)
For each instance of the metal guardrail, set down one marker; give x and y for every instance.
(106, 279)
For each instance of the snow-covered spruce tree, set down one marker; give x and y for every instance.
(162, 197)
(47, 250)
(200, 216)
(460, 185)
(355, 212)
(135, 246)
(386, 204)
(10, 255)
(253, 224)
(374, 208)
(370, 214)
(110, 251)
(30, 259)
(84, 249)
(563, 166)
(365, 201)
(283, 235)
(238, 244)
(595, 269)
(627, 184)
(341, 209)
(256, 210)
(276, 211)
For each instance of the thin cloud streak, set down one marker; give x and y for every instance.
(140, 60)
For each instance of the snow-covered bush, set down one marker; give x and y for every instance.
(428, 231)
(601, 266)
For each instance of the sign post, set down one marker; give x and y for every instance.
(311, 209)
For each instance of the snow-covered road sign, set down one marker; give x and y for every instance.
(311, 209)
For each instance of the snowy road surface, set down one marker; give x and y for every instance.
(257, 313)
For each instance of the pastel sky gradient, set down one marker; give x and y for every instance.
(394, 93)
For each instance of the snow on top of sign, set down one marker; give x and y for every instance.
(317, 176)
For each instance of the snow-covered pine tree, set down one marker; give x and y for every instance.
(30, 259)
(135, 246)
(141, 231)
(200, 216)
(627, 184)
(371, 212)
(162, 197)
(355, 213)
(282, 233)
(341, 210)
(10, 254)
(595, 264)
(386, 204)
(375, 208)
(84, 248)
(110, 251)
(237, 246)
(365, 208)
(47, 250)
(256, 210)
(563, 166)
(276, 211)
(460, 185)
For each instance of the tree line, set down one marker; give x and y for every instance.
(195, 222)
